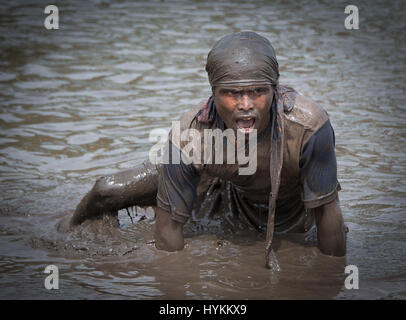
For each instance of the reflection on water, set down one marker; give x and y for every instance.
(79, 102)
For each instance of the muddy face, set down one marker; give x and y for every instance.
(244, 108)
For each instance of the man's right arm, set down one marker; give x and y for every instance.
(177, 184)
(168, 232)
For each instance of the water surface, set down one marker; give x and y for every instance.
(79, 102)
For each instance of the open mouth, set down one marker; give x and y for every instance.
(246, 125)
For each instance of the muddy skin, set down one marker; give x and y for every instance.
(113, 192)
(136, 187)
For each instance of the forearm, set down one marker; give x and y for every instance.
(168, 233)
(331, 233)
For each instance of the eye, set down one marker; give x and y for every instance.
(232, 92)
(259, 91)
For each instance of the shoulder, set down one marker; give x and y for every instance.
(306, 113)
(188, 118)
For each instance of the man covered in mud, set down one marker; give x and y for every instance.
(293, 186)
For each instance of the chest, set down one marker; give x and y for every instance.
(259, 159)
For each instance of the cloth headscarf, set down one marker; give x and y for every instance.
(245, 59)
(242, 59)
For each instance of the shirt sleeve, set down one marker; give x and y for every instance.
(177, 188)
(318, 168)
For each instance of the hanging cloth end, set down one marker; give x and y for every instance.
(271, 260)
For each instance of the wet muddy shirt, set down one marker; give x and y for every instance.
(308, 177)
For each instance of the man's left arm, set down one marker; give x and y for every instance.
(331, 234)
(320, 190)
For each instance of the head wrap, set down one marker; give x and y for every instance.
(242, 59)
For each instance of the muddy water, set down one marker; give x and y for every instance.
(79, 102)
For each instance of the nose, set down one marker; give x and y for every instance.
(245, 103)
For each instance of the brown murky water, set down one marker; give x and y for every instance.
(79, 102)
